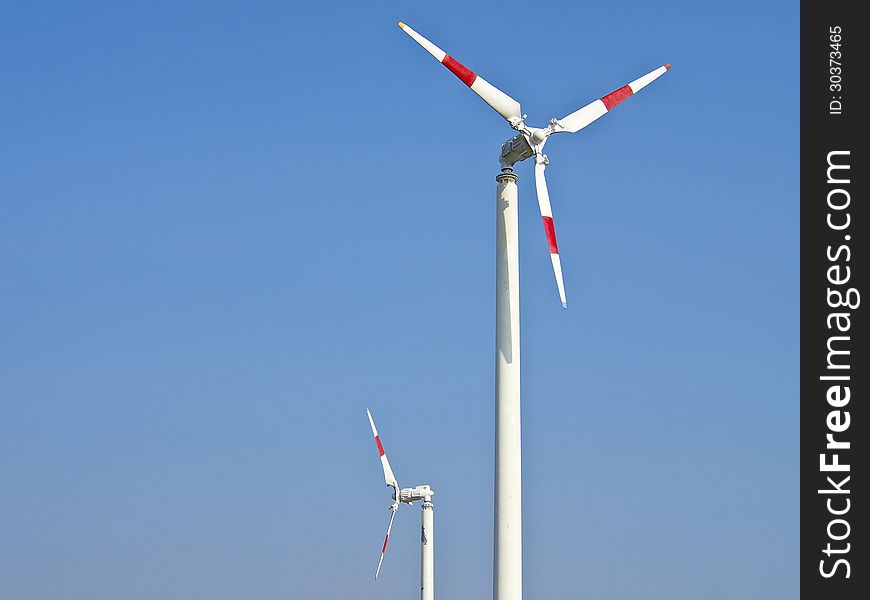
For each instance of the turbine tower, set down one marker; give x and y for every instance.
(529, 142)
(427, 532)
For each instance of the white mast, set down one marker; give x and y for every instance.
(427, 551)
(508, 527)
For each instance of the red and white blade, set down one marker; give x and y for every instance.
(549, 227)
(389, 478)
(386, 540)
(579, 119)
(503, 104)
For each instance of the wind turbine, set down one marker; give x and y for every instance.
(427, 532)
(529, 142)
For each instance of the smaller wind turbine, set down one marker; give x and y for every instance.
(427, 534)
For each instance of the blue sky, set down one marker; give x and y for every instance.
(227, 228)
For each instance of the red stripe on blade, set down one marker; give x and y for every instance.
(384, 549)
(380, 448)
(457, 68)
(614, 98)
(551, 234)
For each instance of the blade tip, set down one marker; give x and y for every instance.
(668, 67)
(565, 305)
(401, 26)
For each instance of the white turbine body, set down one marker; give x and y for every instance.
(427, 532)
(507, 545)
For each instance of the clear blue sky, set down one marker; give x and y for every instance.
(227, 228)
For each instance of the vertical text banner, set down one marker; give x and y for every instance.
(835, 371)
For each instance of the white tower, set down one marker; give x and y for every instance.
(508, 526)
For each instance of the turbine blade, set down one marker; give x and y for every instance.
(386, 540)
(549, 228)
(389, 478)
(503, 104)
(579, 119)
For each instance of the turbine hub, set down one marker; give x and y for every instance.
(537, 136)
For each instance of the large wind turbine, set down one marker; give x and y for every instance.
(529, 142)
(427, 527)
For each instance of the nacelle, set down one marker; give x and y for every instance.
(409, 495)
(514, 150)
